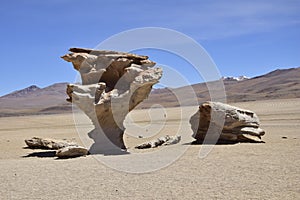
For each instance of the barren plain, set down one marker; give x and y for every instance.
(267, 170)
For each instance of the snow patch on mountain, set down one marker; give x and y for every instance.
(232, 78)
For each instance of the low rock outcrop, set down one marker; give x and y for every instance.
(47, 143)
(71, 151)
(165, 140)
(65, 149)
(228, 125)
(113, 83)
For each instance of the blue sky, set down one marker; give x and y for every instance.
(242, 37)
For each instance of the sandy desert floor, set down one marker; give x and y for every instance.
(268, 170)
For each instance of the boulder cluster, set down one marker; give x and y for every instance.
(65, 149)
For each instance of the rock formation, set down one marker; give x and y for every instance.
(71, 151)
(47, 143)
(65, 149)
(165, 140)
(239, 125)
(113, 83)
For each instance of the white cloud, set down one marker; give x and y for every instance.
(202, 19)
(218, 19)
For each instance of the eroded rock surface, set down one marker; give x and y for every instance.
(65, 149)
(234, 124)
(113, 83)
(165, 140)
(47, 143)
(71, 152)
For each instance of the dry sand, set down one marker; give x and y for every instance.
(241, 171)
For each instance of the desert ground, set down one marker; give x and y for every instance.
(269, 170)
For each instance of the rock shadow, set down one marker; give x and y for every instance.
(219, 142)
(41, 154)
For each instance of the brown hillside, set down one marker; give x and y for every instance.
(278, 84)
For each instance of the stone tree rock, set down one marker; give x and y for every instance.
(239, 125)
(113, 83)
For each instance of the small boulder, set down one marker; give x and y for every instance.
(165, 140)
(71, 152)
(47, 143)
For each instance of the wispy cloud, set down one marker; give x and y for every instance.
(219, 19)
(205, 19)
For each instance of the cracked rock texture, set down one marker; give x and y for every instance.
(234, 124)
(165, 140)
(47, 143)
(65, 149)
(113, 83)
(71, 152)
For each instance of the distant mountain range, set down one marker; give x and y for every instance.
(278, 84)
(35, 100)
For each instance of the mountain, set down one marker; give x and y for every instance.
(278, 84)
(35, 100)
(19, 93)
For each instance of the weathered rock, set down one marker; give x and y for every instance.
(165, 140)
(47, 143)
(235, 124)
(113, 83)
(65, 149)
(71, 152)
